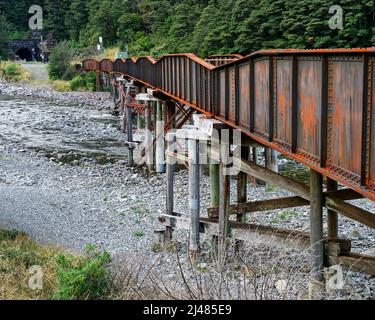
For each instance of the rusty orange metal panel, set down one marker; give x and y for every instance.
(222, 94)
(244, 96)
(188, 80)
(231, 101)
(261, 108)
(283, 114)
(345, 127)
(309, 107)
(372, 133)
(193, 75)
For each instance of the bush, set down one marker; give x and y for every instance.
(81, 278)
(10, 69)
(91, 81)
(78, 83)
(60, 85)
(59, 66)
(13, 71)
(83, 82)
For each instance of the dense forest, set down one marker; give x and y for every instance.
(201, 26)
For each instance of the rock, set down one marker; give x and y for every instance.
(281, 286)
(370, 252)
(356, 233)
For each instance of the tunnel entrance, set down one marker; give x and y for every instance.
(24, 54)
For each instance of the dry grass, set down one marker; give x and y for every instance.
(60, 85)
(13, 71)
(17, 254)
(109, 53)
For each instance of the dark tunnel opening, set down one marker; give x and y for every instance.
(24, 54)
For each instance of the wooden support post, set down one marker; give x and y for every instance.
(214, 183)
(254, 159)
(215, 196)
(241, 194)
(332, 216)
(194, 199)
(98, 82)
(170, 190)
(148, 139)
(271, 160)
(160, 163)
(129, 121)
(171, 112)
(223, 215)
(123, 112)
(316, 234)
(139, 122)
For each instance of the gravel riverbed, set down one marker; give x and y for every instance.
(64, 181)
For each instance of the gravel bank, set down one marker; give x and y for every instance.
(98, 100)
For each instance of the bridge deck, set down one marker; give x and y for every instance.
(315, 106)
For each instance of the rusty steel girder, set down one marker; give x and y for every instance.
(315, 106)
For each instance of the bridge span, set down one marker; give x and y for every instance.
(314, 106)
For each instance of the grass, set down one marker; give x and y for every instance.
(109, 53)
(138, 234)
(64, 276)
(60, 85)
(17, 254)
(14, 72)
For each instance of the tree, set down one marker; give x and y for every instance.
(54, 20)
(4, 35)
(59, 66)
(76, 18)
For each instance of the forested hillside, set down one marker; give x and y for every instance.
(200, 26)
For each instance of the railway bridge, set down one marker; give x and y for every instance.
(314, 106)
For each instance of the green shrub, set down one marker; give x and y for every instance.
(13, 71)
(77, 83)
(60, 61)
(83, 82)
(91, 81)
(60, 85)
(9, 235)
(81, 278)
(10, 69)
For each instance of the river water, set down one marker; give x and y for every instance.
(63, 133)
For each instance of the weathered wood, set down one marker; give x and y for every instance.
(350, 211)
(170, 190)
(98, 82)
(249, 232)
(194, 199)
(275, 204)
(271, 160)
(334, 203)
(241, 195)
(243, 231)
(214, 184)
(160, 163)
(129, 120)
(149, 147)
(332, 216)
(316, 224)
(214, 169)
(262, 205)
(223, 214)
(358, 262)
(264, 174)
